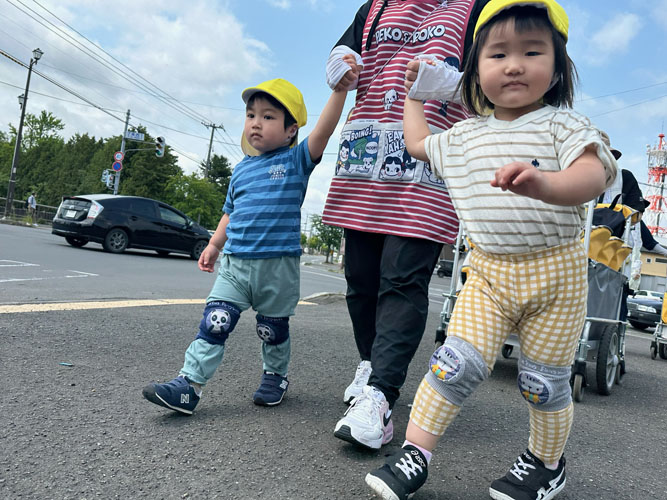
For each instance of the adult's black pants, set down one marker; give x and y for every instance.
(387, 298)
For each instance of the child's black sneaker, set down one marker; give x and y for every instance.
(403, 473)
(529, 479)
(177, 395)
(271, 390)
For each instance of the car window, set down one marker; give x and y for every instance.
(171, 216)
(145, 208)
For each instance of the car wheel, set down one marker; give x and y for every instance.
(76, 242)
(638, 326)
(162, 253)
(116, 241)
(441, 273)
(198, 249)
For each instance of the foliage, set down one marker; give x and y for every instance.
(53, 168)
(330, 236)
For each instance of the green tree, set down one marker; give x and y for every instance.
(219, 173)
(38, 128)
(198, 198)
(329, 235)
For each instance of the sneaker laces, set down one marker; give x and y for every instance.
(367, 404)
(520, 468)
(408, 466)
(362, 373)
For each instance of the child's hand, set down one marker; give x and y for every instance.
(208, 257)
(350, 78)
(412, 70)
(521, 178)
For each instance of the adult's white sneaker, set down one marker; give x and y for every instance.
(360, 380)
(367, 422)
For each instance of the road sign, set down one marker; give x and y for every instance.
(137, 136)
(117, 166)
(118, 156)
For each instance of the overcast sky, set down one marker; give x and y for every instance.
(200, 54)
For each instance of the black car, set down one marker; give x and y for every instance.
(120, 222)
(644, 309)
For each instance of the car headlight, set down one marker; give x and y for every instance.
(646, 309)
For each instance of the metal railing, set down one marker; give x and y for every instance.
(19, 212)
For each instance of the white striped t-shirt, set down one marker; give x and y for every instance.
(468, 155)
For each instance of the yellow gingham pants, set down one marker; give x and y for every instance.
(539, 295)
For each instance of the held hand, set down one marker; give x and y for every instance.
(412, 70)
(208, 257)
(349, 78)
(521, 178)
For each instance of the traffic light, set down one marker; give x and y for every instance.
(105, 176)
(159, 146)
(110, 179)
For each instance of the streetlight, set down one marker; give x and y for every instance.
(23, 102)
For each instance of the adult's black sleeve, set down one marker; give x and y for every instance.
(354, 34)
(648, 241)
(632, 195)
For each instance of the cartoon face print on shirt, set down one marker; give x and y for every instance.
(429, 176)
(397, 164)
(358, 152)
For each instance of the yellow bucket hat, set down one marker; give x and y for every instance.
(287, 95)
(556, 13)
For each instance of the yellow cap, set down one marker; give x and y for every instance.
(556, 13)
(287, 94)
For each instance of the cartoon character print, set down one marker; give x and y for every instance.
(343, 157)
(534, 389)
(446, 363)
(218, 321)
(389, 98)
(429, 176)
(357, 153)
(398, 167)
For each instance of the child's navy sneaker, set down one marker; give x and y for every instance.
(177, 395)
(403, 473)
(529, 479)
(271, 390)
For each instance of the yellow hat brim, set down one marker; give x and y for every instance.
(556, 13)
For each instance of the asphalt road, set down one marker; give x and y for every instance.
(81, 430)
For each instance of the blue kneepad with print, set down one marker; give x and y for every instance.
(219, 320)
(272, 331)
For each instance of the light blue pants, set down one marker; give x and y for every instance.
(270, 287)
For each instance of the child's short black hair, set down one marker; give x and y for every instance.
(289, 119)
(525, 18)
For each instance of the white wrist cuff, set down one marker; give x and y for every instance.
(336, 67)
(437, 81)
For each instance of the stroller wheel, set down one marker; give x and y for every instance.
(578, 387)
(662, 351)
(507, 351)
(654, 350)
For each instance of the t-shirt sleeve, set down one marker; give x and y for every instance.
(574, 135)
(228, 207)
(302, 161)
(436, 151)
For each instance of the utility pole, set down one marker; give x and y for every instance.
(23, 101)
(122, 150)
(212, 126)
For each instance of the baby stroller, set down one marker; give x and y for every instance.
(659, 341)
(603, 336)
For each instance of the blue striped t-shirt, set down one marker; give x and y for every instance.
(264, 203)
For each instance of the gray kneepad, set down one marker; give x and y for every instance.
(272, 331)
(545, 387)
(456, 369)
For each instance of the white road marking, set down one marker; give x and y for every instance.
(81, 306)
(16, 263)
(80, 274)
